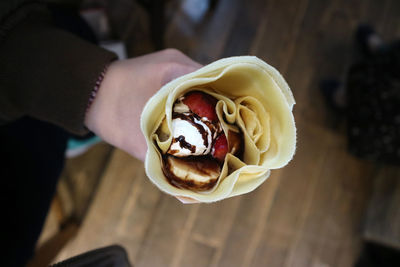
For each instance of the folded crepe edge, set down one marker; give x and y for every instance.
(274, 74)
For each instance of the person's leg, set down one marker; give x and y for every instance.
(32, 159)
(31, 162)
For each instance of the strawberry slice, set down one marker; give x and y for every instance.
(201, 104)
(220, 147)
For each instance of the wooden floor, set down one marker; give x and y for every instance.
(310, 213)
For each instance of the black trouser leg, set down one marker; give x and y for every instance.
(32, 159)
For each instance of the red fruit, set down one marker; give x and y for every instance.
(201, 104)
(220, 147)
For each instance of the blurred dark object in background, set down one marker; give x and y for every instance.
(28, 145)
(110, 256)
(369, 101)
(373, 255)
(370, 98)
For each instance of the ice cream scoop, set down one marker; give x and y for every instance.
(191, 136)
(195, 126)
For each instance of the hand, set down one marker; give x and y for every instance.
(187, 200)
(115, 113)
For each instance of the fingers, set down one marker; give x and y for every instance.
(192, 63)
(169, 63)
(175, 70)
(187, 200)
(174, 55)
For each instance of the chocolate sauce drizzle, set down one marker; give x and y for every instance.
(190, 118)
(184, 144)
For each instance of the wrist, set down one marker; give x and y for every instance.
(96, 88)
(96, 102)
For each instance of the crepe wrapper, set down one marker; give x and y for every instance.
(252, 95)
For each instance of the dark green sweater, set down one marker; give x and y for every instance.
(45, 72)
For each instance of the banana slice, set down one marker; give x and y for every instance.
(198, 174)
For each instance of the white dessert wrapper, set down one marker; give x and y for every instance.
(255, 97)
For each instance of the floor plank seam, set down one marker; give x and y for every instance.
(217, 256)
(261, 225)
(290, 259)
(142, 245)
(179, 251)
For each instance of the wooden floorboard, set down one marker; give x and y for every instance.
(248, 18)
(166, 229)
(278, 32)
(391, 21)
(197, 254)
(239, 246)
(122, 210)
(383, 217)
(204, 41)
(295, 193)
(214, 221)
(309, 213)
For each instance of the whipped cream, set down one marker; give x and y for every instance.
(191, 135)
(189, 139)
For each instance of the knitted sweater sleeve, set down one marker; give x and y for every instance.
(45, 72)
